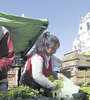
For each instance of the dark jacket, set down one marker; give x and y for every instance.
(7, 55)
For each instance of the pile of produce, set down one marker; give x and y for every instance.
(26, 93)
(23, 93)
(19, 93)
(86, 90)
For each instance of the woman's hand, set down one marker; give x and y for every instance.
(60, 76)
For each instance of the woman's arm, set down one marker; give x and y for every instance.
(37, 66)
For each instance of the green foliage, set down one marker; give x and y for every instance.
(87, 53)
(18, 93)
(58, 83)
(26, 93)
(11, 75)
(86, 90)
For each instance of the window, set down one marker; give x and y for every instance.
(80, 28)
(88, 26)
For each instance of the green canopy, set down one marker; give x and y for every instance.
(24, 31)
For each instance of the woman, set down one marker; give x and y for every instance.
(40, 63)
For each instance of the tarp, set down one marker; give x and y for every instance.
(23, 31)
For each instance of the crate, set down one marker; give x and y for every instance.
(73, 65)
(15, 72)
(81, 77)
(13, 77)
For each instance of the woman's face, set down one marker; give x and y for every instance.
(51, 51)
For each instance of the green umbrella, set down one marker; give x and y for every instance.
(24, 31)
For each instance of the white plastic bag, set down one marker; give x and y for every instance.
(69, 89)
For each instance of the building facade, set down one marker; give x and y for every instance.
(83, 44)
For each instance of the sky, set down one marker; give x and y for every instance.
(64, 17)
